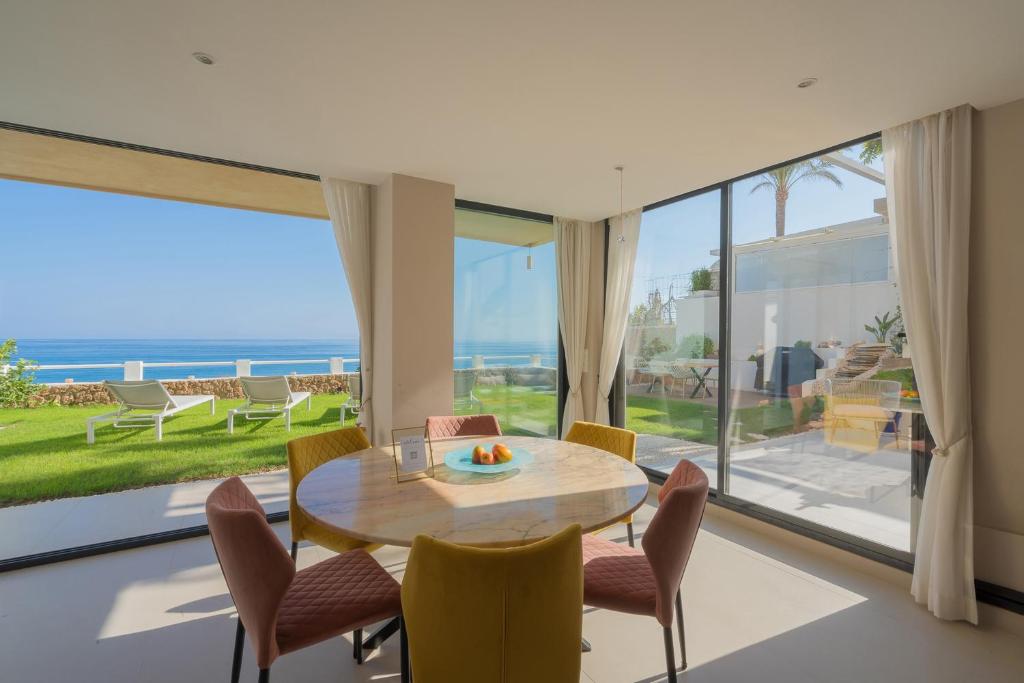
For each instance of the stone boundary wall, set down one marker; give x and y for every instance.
(94, 393)
(527, 376)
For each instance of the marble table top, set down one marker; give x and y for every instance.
(357, 495)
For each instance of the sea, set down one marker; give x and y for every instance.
(97, 351)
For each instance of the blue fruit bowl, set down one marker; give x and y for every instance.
(462, 460)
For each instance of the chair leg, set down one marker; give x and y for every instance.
(679, 625)
(403, 637)
(670, 657)
(357, 645)
(264, 676)
(288, 420)
(236, 662)
(629, 534)
(159, 428)
(295, 550)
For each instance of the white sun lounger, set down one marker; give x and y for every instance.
(266, 398)
(144, 395)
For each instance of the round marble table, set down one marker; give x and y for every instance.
(357, 495)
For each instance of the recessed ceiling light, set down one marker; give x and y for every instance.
(807, 83)
(206, 59)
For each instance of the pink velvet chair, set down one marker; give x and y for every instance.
(625, 579)
(282, 609)
(453, 426)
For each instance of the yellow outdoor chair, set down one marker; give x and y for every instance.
(305, 454)
(478, 614)
(620, 442)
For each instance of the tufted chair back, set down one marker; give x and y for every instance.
(453, 426)
(306, 454)
(513, 615)
(673, 529)
(256, 566)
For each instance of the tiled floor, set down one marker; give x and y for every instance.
(865, 493)
(756, 609)
(68, 522)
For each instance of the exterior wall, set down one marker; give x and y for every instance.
(997, 328)
(782, 317)
(94, 393)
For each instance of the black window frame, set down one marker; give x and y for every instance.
(719, 494)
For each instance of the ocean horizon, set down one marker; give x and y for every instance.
(97, 351)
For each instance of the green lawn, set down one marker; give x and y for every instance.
(694, 421)
(523, 411)
(43, 453)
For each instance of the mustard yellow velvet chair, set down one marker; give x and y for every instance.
(304, 455)
(620, 442)
(511, 615)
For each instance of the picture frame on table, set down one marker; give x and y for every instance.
(413, 453)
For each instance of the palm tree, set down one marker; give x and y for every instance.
(782, 180)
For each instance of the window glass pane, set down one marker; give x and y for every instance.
(188, 294)
(672, 338)
(813, 307)
(506, 326)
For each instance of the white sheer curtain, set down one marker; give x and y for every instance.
(572, 258)
(348, 205)
(622, 241)
(928, 183)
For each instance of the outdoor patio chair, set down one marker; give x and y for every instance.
(681, 375)
(635, 581)
(355, 396)
(137, 396)
(866, 406)
(464, 383)
(284, 610)
(266, 398)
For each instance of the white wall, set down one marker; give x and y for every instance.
(782, 317)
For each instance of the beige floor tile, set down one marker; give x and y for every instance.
(756, 609)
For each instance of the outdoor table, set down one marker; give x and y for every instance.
(701, 378)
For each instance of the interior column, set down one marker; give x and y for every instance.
(413, 279)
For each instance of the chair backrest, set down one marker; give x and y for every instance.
(621, 442)
(670, 535)
(146, 394)
(452, 426)
(464, 383)
(273, 390)
(256, 566)
(511, 615)
(873, 392)
(307, 453)
(355, 388)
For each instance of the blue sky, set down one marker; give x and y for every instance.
(678, 238)
(498, 300)
(86, 264)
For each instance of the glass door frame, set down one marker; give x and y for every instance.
(719, 494)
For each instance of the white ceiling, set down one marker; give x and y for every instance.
(526, 104)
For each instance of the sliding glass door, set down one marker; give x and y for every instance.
(672, 339)
(823, 427)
